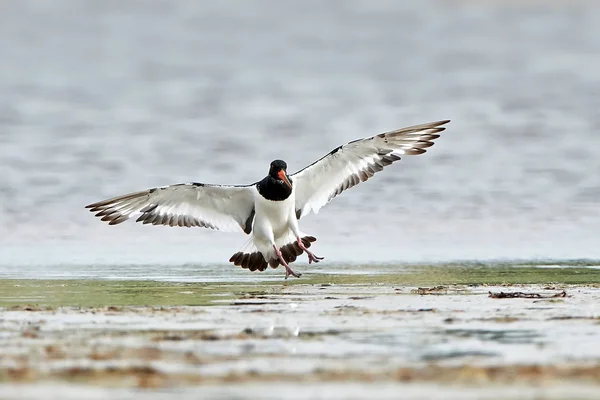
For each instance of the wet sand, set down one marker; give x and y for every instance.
(323, 336)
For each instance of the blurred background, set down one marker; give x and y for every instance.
(102, 98)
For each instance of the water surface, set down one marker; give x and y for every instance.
(103, 98)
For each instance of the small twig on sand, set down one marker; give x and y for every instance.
(522, 295)
(432, 290)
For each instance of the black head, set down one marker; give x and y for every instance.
(279, 175)
(277, 185)
(276, 167)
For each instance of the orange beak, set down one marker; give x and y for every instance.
(283, 176)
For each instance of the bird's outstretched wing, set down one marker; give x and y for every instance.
(224, 208)
(354, 162)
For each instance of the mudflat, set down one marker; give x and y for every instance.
(468, 331)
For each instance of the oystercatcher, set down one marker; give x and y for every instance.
(269, 209)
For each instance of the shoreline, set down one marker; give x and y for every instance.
(324, 331)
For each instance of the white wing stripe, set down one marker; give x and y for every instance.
(357, 161)
(226, 208)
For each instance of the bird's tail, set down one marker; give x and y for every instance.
(290, 250)
(250, 257)
(254, 259)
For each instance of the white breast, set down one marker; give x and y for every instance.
(272, 218)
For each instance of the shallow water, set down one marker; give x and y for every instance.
(130, 286)
(96, 101)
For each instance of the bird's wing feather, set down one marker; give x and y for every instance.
(356, 161)
(225, 208)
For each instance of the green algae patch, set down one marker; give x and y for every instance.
(463, 274)
(95, 293)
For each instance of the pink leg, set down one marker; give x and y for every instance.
(311, 255)
(288, 270)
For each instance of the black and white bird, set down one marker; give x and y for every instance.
(269, 209)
